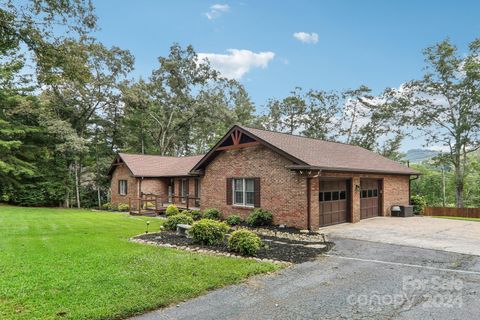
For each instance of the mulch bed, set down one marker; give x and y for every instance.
(280, 249)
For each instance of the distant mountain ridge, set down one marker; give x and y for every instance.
(420, 155)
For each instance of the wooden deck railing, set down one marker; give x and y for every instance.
(189, 202)
(149, 203)
(452, 212)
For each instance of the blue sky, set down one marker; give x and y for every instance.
(376, 43)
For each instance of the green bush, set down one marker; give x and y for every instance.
(259, 217)
(208, 231)
(244, 242)
(171, 210)
(172, 221)
(196, 214)
(122, 207)
(212, 214)
(234, 220)
(419, 204)
(107, 206)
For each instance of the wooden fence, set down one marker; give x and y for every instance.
(452, 212)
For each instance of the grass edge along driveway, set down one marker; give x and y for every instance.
(78, 264)
(457, 218)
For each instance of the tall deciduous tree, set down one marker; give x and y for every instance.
(444, 105)
(288, 114)
(321, 115)
(184, 107)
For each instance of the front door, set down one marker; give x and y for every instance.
(333, 197)
(184, 190)
(369, 198)
(197, 192)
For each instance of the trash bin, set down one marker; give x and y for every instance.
(395, 211)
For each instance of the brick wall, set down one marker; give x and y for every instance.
(282, 191)
(156, 186)
(122, 172)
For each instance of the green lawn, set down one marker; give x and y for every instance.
(77, 264)
(458, 218)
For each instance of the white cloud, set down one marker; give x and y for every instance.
(306, 37)
(217, 10)
(237, 62)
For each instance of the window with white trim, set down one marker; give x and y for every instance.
(243, 192)
(122, 187)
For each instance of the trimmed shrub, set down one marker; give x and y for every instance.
(172, 221)
(212, 213)
(196, 214)
(244, 242)
(208, 231)
(122, 207)
(106, 206)
(259, 217)
(171, 210)
(419, 203)
(234, 220)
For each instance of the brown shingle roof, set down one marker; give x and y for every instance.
(158, 166)
(330, 155)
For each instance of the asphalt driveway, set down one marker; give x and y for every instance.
(423, 232)
(356, 280)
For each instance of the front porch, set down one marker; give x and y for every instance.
(153, 205)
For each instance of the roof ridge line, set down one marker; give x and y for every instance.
(157, 155)
(300, 136)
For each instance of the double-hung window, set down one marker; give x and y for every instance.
(243, 192)
(122, 187)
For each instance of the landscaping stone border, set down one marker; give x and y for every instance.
(311, 237)
(206, 251)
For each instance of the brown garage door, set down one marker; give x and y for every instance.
(333, 202)
(369, 195)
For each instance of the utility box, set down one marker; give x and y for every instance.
(406, 211)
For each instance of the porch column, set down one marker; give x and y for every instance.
(139, 187)
(355, 199)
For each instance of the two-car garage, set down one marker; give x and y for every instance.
(335, 202)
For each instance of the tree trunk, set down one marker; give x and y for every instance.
(99, 196)
(443, 187)
(66, 202)
(77, 185)
(459, 185)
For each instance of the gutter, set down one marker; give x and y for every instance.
(332, 169)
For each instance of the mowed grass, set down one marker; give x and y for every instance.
(458, 218)
(78, 264)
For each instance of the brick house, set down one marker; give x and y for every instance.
(304, 182)
(135, 176)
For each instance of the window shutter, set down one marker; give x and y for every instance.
(229, 191)
(119, 182)
(256, 189)
(126, 187)
(187, 181)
